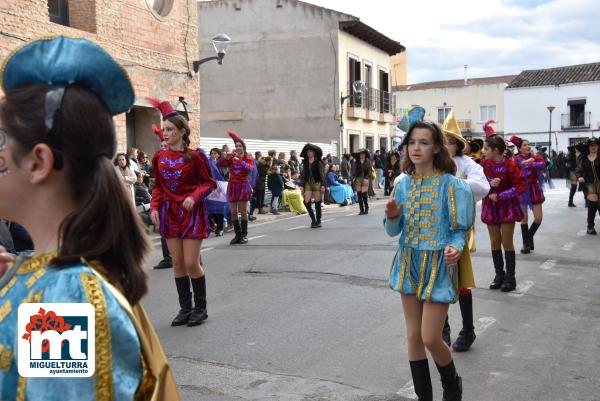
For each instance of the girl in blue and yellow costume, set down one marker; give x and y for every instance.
(432, 210)
(57, 140)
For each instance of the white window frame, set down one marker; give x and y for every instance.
(482, 118)
(447, 110)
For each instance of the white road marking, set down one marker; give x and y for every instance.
(568, 246)
(522, 288)
(257, 237)
(295, 228)
(483, 323)
(326, 220)
(210, 248)
(582, 233)
(408, 391)
(351, 214)
(549, 264)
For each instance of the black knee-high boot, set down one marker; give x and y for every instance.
(510, 281)
(467, 336)
(185, 301)
(499, 268)
(361, 203)
(311, 214)
(199, 313)
(446, 333)
(451, 382)
(592, 209)
(243, 232)
(525, 235)
(238, 232)
(318, 212)
(572, 194)
(532, 230)
(366, 201)
(421, 379)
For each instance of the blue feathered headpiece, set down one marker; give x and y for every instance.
(411, 117)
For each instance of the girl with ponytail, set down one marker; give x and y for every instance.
(57, 139)
(182, 180)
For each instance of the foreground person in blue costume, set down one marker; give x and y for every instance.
(432, 210)
(57, 139)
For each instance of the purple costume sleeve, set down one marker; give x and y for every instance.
(508, 194)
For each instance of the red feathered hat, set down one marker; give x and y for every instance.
(487, 128)
(516, 140)
(165, 107)
(158, 132)
(236, 138)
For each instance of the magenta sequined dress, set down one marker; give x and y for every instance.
(507, 209)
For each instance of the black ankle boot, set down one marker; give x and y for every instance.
(366, 202)
(238, 232)
(318, 214)
(185, 301)
(451, 382)
(311, 213)
(532, 230)
(199, 313)
(446, 333)
(421, 379)
(510, 281)
(244, 233)
(467, 336)
(525, 235)
(361, 203)
(499, 267)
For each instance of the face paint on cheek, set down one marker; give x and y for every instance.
(3, 141)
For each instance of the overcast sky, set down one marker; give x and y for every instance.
(493, 37)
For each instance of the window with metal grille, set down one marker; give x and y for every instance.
(58, 11)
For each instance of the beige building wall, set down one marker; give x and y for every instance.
(398, 67)
(350, 46)
(464, 101)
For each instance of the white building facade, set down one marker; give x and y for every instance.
(573, 91)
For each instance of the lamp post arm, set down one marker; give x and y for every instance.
(197, 63)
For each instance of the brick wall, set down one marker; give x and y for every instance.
(156, 51)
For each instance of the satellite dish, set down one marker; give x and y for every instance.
(358, 86)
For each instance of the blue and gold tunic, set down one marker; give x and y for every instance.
(438, 210)
(120, 372)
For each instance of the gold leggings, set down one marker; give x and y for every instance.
(502, 236)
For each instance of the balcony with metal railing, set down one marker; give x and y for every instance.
(576, 120)
(372, 104)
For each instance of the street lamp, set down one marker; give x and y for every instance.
(358, 88)
(550, 109)
(221, 43)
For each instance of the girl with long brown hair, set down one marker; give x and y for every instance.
(239, 188)
(501, 209)
(432, 210)
(57, 139)
(182, 180)
(362, 179)
(312, 181)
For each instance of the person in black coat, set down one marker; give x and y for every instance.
(275, 184)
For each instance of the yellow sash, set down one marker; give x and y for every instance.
(466, 278)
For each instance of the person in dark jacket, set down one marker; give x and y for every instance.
(392, 170)
(275, 183)
(142, 195)
(588, 173)
(362, 179)
(312, 181)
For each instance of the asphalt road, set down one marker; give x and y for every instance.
(305, 314)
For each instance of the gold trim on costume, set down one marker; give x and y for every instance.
(35, 277)
(6, 356)
(147, 384)
(433, 275)
(32, 298)
(36, 263)
(103, 381)
(422, 274)
(402, 269)
(21, 389)
(8, 286)
(408, 264)
(5, 309)
(453, 207)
